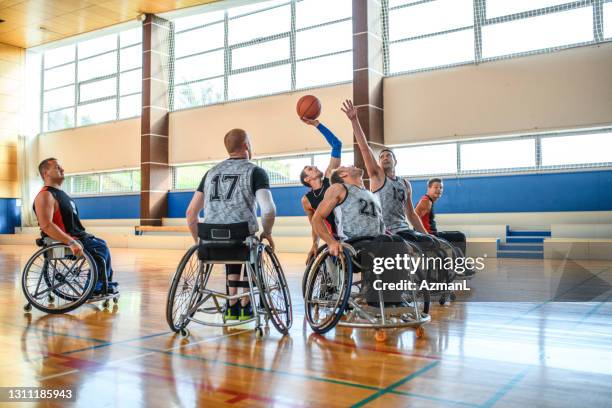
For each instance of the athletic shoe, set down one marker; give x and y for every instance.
(232, 312)
(246, 312)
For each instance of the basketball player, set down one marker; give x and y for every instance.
(318, 183)
(58, 218)
(228, 193)
(425, 210)
(394, 193)
(358, 211)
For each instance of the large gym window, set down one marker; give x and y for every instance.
(105, 183)
(261, 49)
(432, 34)
(584, 149)
(495, 155)
(92, 81)
(416, 160)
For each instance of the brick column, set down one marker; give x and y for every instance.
(155, 170)
(368, 67)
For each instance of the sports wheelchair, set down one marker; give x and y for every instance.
(333, 298)
(55, 281)
(190, 299)
(438, 249)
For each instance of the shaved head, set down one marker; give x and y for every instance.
(235, 140)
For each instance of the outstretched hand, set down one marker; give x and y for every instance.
(349, 109)
(311, 122)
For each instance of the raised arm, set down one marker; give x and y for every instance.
(332, 197)
(44, 203)
(413, 217)
(334, 142)
(374, 170)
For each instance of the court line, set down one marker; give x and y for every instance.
(592, 311)
(506, 388)
(396, 384)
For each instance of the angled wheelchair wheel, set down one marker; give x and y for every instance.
(184, 291)
(308, 266)
(328, 290)
(274, 290)
(56, 281)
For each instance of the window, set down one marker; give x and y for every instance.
(285, 170)
(92, 81)
(125, 181)
(577, 149)
(189, 177)
(535, 33)
(253, 50)
(498, 8)
(498, 155)
(432, 34)
(607, 18)
(417, 160)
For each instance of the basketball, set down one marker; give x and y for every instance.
(309, 107)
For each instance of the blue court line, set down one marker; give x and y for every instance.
(396, 384)
(505, 389)
(593, 310)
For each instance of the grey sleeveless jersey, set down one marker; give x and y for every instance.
(392, 196)
(228, 195)
(359, 214)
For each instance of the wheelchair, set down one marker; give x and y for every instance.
(333, 298)
(190, 299)
(55, 281)
(441, 249)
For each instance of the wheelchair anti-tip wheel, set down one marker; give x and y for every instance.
(56, 281)
(328, 290)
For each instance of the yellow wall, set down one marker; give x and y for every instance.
(571, 88)
(106, 146)
(197, 134)
(12, 61)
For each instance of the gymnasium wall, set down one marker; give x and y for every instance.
(586, 191)
(106, 146)
(197, 134)
(12, 60)
(560, 90)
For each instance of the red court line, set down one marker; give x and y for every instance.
(237, 396)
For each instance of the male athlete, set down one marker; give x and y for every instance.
(425, 210)
(318, 183)
(394, 193)
(357, 210)
(228, 193)
(58, 218)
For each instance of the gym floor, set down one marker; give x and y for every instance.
(472, 354)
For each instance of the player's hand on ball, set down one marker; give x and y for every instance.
(349, 109)
(311, 122)
(267, 237)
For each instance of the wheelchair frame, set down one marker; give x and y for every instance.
(360, 314)
(200, 295)
(50, 247)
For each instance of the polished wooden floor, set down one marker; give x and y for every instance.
(544, 354)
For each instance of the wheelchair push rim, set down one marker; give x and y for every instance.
(320, 280)
(274, 289)
(58, 284)
(185, 283)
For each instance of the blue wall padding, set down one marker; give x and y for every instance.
(10, 215)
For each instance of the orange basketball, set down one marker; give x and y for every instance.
(309, 107)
